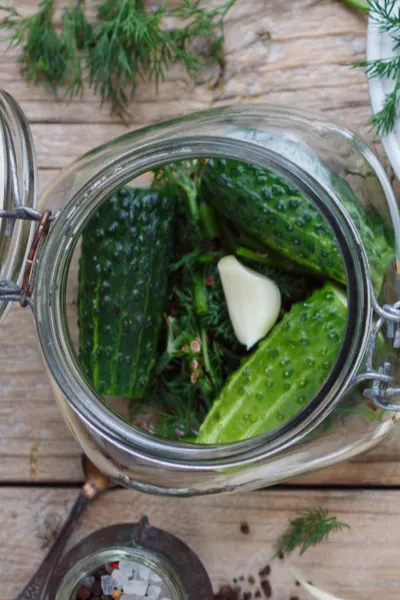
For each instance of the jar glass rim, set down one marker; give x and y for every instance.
(53, 330)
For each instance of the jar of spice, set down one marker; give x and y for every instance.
(356, 402)
(130, 561)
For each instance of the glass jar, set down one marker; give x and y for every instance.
(355, 408)
(156, 563)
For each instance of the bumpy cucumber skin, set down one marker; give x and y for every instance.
(126, 249)
(270, 209)
(283, 374)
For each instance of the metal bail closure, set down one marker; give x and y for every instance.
(383, 379)
(18, 201)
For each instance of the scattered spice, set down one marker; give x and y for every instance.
(297, 583)
(294, 598)
(281, 556)
(265, 572)
(194, 377)
(96, 587)
(257, 594)
(244, 527)
(247, 596)
(266, 588)
(226, 593)
(83, 593)
(251, 580)
(195, 346)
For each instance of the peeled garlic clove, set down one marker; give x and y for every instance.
(314, 592)
(254, 301)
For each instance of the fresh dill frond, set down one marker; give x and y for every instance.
(217, 319)
(125, 45)
(309, 528)
(42, 54)
(387, 15)
(180, 413)
(76, 36)
(386, 118)
(184, 176)
(130, 44)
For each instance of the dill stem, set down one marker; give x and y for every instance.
(228, 237)
(206, 357)
(209, 258)
(250, 254)
(208, 221)
(193, 206)
(200, 294)
(362, 4)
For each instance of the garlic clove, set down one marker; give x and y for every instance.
(253, 300)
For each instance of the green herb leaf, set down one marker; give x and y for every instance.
(308, 529)
(76, 36)
(126, 45)
(42, 58)
(387, 16)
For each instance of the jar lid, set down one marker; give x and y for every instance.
(18, 198)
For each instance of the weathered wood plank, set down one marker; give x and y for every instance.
(286, 52)
(349, 565)
(282, 46)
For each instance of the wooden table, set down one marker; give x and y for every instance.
(289, 52)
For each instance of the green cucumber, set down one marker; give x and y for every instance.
(275, 213)
(126, 249)
(283, 374)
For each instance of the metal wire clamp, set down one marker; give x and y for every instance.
(9, 290)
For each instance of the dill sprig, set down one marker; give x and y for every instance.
(309, 528)
(196, 361)
(186, 177)
(42, 58)
(387, 15)
(76, 35)
(362, 4)
(125, 45)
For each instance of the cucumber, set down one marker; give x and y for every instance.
(126, 249)
(283, 374)
(270, 209)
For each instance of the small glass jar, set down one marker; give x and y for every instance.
(355, 408)
(156, 564)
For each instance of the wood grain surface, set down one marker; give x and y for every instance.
(289, 52)
(359, 564)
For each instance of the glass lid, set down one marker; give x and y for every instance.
(18, 197)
